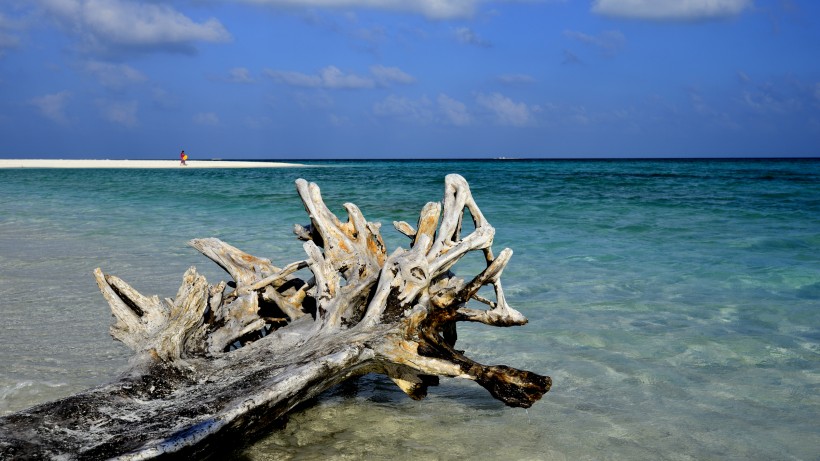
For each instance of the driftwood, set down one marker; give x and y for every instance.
(219, 365)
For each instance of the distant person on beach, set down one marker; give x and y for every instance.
(182, 158)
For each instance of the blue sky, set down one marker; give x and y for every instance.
(312, 79)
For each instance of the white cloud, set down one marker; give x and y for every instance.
(329, 77)
(699, 103)
(507, 111)
(240, 75)
(467, 36)
(454, 111)
(339, 121)
(122, 113)
(400, 106)
(294, 78)
(778, 96)
(53, 106)
(608, 42)
(570, 58)
(7, 38)
(103, 24)
(424, 111)
(671, 9)
(386, 75)
(163, 99)
(706, 112)
(579, 115)
(767, 100)
(515, 79)
(259, 123)
(114, 76)
(7, 42)
(312, 100)
(433, 9)
(206, 118)
(348, 24)
(332, 77)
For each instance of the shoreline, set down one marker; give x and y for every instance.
(162, 164)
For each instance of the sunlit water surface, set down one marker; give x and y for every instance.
(676, 304)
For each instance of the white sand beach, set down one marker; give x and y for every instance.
(55, 163)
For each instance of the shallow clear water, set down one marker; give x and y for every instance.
(676, 304)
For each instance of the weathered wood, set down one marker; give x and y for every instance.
(229, 361)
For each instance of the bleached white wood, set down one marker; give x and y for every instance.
(223, 363)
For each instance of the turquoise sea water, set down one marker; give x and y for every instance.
(676, 304)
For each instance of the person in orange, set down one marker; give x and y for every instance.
(182, 158)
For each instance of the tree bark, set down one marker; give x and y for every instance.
(227, 362)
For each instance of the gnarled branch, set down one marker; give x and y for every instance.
(228, 360)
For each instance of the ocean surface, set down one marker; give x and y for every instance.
(675, 304)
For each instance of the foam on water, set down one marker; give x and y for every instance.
(674, 303)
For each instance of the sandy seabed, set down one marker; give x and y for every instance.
(47, 163)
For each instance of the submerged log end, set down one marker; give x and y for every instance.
(516, 388)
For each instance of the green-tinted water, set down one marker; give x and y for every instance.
(674, 303)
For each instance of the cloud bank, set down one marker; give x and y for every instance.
(454, 111)
(114, 76)
(433, 9)
(685, 10)
(609, 42)
(105, 24)
(206, 118)
(53, 106)
(331, 77)
(239, 75)
(402, 107)
(467, 36)
(119, 112)
(8, 39)
(506, 111)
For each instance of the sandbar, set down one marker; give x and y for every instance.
(48, 163)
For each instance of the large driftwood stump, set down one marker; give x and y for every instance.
(226, 362)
